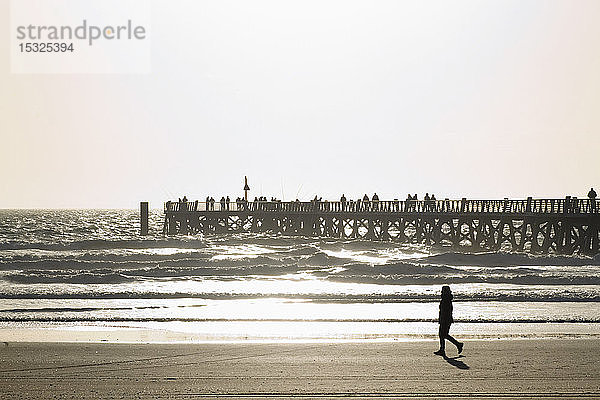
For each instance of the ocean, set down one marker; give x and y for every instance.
(84, 270)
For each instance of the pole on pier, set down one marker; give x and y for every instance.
(246, 188)
(528, 205)
(144, 218)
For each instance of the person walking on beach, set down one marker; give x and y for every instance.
(445, 320)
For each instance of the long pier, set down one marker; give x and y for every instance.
(560, 226)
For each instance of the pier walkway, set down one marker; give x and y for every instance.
(563, 226)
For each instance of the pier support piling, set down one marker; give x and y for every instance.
(143, 218)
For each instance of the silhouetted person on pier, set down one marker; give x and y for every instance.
(184, 204)
(426, 202)
(445, 320)
(592, 199)
(592, 194)
(207, 204)
(366, 202)
(343, 201)
(212, 204)
(375, 201)
(227, 201)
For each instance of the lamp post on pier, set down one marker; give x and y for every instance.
(246, 188)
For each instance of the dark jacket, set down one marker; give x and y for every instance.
(446, 311)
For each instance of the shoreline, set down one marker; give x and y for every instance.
(166, 333)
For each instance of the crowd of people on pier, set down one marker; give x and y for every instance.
(224, 204)
(372, 204)
(261, 203)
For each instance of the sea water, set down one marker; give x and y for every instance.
(90, 269)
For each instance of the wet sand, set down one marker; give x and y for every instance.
(535, 369)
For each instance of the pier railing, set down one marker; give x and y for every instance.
(505, 206)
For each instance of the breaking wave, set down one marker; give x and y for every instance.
(262, 267)
(495, 296)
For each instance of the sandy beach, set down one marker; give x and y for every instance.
(536, 369)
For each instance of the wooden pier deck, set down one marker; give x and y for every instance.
(562, 226)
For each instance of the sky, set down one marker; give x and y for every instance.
(476, 99)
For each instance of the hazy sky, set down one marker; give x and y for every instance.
(482, 99)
